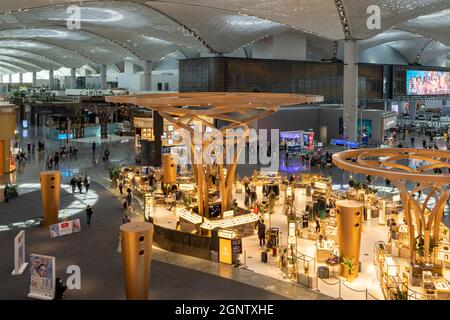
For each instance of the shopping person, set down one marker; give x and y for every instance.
(89, 213)
(121, 187)
(73, 184)
(129, 197)
(262, 233)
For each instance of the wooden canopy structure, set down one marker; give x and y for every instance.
(415, 167)
(238, 110)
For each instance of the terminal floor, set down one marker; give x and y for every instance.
(94, 250)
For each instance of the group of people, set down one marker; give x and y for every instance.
(106, 152)
(80, 183)
(321, 160)
(68, 151)
(20, 157)
(31, 147)
(52, 161)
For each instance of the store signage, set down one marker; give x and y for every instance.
(65, 228)
(19, 254)
(63, 136)
(42, 277)
(186, 187)
(345, 143)
(228, 214)
(236, 246)
(320, 185)
(226, 234)
(389, 121)
(146, 123)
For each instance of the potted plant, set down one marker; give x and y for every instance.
(400, 295)
(187, 200)
(348, 269)
(357, 185)
(419, 246)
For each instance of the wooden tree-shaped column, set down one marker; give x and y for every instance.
(236, 110)
(423, 219)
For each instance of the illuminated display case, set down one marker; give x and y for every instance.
(147, 134)
(148, 206)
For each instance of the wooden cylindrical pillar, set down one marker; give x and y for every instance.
(349, 215)
(50, 194)
(169, 168)
(7, 132)
(137, 241)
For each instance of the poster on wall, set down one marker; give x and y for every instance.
(419, 82)
(19, 254)
(366, 127)
(65, 228)
(42, 277)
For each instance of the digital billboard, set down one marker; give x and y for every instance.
(420, 83)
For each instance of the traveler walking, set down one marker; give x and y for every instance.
(89, 213)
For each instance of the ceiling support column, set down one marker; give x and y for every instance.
(103, 80)
(21, 77)
(34, 79)
(350, 89)
(73, 78)
(148, 76)
(9, 78)
(51, 79)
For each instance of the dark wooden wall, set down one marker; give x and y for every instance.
(284, 76)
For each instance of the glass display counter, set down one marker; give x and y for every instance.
(324, 249)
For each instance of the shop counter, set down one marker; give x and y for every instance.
(189, 222)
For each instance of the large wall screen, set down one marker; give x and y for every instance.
(419, 83)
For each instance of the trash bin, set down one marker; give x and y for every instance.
(264, 257)
(323, 272)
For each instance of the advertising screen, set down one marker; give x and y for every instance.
(427, 82)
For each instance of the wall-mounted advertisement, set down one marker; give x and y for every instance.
(366, 127)
(65, 228)
(19, 254)
(419, 83)
(42, 277)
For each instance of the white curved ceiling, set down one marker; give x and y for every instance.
(34, 33)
